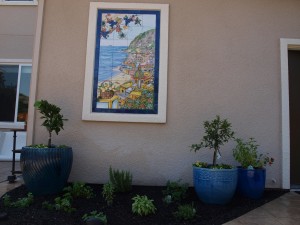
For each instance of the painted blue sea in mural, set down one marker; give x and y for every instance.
(111, 57)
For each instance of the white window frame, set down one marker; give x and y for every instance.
(4, 2)
(15, 124)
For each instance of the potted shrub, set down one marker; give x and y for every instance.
(213, 183)
(46, 168)
(252, 172)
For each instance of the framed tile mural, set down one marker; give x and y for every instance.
(126, 63)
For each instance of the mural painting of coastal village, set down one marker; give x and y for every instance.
(126, 68)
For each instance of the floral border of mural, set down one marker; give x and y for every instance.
(140, 88)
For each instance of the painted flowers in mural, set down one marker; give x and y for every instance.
(126, 62)
(118, 24)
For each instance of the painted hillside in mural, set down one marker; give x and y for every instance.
(126, 72)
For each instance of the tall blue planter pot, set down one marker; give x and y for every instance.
(46, 170)
(251, 183)
(215, 186)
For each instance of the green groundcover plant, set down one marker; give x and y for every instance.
(95, 215)
(185, 212)
(175, 191)
(80, 190)
(142, 205)
(20, 203)
(108, 193)
(63, 203)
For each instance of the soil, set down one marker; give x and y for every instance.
(120, 212)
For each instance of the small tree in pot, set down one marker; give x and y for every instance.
(46, 168)
(252, 173)
(53, 120)
(214, 184)
(217, 133)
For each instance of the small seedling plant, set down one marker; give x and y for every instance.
(95, 215)
(175, 191)
(121, 180)
(143, 206)
(63, 203)
(80, 190)
(108, 193)
(185, 212)
(20, 203)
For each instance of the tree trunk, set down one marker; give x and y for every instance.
(49, 140)
(215, 157)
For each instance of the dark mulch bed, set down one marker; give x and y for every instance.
(120, 212)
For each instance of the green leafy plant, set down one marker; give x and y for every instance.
(217, 133)
(176, 190)
(247, 155)
(97, 215)
(167, 199)
(217, 166)
(61, 203)
(142, 205)
(53, 119)
(20, 203)
(185, 212)
(121, 180)
(108, 193)
(47, 205)
(80, 190)
(6, 200)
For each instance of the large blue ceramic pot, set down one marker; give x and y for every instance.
(215, 186)
(46, 170)
(251, 182)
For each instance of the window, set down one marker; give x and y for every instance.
(18, 2)
(14, 94)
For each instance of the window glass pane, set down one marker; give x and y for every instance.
(24, 93)
(8, 90)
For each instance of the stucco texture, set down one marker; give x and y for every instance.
(224, 59)
(17, 31)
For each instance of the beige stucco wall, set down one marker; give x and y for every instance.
(17, 29)
(223, 59)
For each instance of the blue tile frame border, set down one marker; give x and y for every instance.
(156, 67)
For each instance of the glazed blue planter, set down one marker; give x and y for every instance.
(46, 170)
(251, 182)
(215, 186)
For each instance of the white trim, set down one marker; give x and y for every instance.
(17, 95)
(3, 2)
(87, 113)
(34, 73)
(11, 125)
(15, 61)
(285, 45)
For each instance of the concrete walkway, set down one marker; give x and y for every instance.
(284, 210)
(5, 170)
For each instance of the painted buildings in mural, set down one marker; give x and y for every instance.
(126, 61)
